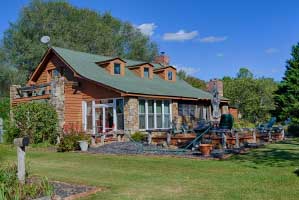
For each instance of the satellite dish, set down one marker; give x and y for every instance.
(45, 39)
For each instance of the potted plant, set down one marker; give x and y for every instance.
(205, 149)
(83, 145)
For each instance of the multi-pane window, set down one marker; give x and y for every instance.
(120, 114)
(116, 68)
(151, 114)
(169, 74)
(154, 114)
(159, 113)
(142, 114)
(187, 110)
(89, 115)
(167, 120)
(146, 72)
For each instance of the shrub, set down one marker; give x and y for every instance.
(138, 137)
(243, 124)
(293, 130)
(4, 108)
(10, 188)
(69, 142)
(36, 120)
(11, 131)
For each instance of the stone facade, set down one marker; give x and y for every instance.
(57, 100)
(131, 114)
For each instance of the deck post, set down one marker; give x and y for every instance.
(254, 136)
(168, 138)
(237, 139)
(149, 137)
(223, 140)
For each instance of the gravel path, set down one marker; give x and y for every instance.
(123, 148)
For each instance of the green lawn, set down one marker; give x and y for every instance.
(266, 173)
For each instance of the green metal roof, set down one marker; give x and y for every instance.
(85, 65)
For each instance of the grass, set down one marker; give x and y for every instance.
(266, 173)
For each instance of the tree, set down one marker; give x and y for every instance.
(253, 97)
(287, 95)
(195, 82)
(74, 28)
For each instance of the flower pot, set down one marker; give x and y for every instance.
(205, 149)
(83, 145)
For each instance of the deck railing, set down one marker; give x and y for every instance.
(33, 91)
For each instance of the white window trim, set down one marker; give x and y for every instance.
(102, 106)
(155, 114)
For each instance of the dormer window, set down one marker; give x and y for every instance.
(146, 72)
(116, 69)
(169, 75)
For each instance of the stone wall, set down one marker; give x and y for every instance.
(131, 118)
(57, 99)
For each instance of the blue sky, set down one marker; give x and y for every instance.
(209, 39)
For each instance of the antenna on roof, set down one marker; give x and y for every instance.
(45, 40)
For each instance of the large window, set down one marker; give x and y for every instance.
(142, 114)
(187, 110)
(117, 68)
(154, 114)
(120, 114)
(89, 115)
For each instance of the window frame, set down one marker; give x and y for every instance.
(169, 73)
(155, 114)
(148, 72)
(119, 65)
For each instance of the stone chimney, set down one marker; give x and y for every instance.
(218, 83)
(162, 58)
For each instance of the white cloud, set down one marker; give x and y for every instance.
(271, 50)
(147, 29)
(213, 39)
(181, 35)
(219, 54)
(188, 70)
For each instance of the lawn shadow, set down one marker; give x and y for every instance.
(277, 155)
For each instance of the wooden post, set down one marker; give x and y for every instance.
(149, 137)
(254, 136)
(168, 139)
(21, 143)
(1, 130)
(21, 164)
(237, 139)
(223, 140)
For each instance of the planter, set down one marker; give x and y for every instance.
(83, 145)
(205, 149)
(231, 141)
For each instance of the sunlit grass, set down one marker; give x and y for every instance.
(265, 173)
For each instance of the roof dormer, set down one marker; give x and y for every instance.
(167, 73)
(144, 70)
(115, 66)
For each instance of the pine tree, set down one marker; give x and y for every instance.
(287, 95)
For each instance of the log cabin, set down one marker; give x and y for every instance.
(100, 94)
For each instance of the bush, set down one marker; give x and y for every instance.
(69, 142)
(11, 132)
(293, 130)
(4, 108)
(138, 137)
(36, 120)
(243, 124)
(10, 188)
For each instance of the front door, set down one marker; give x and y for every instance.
(104, 118)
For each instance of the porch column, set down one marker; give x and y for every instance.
(131, 117)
